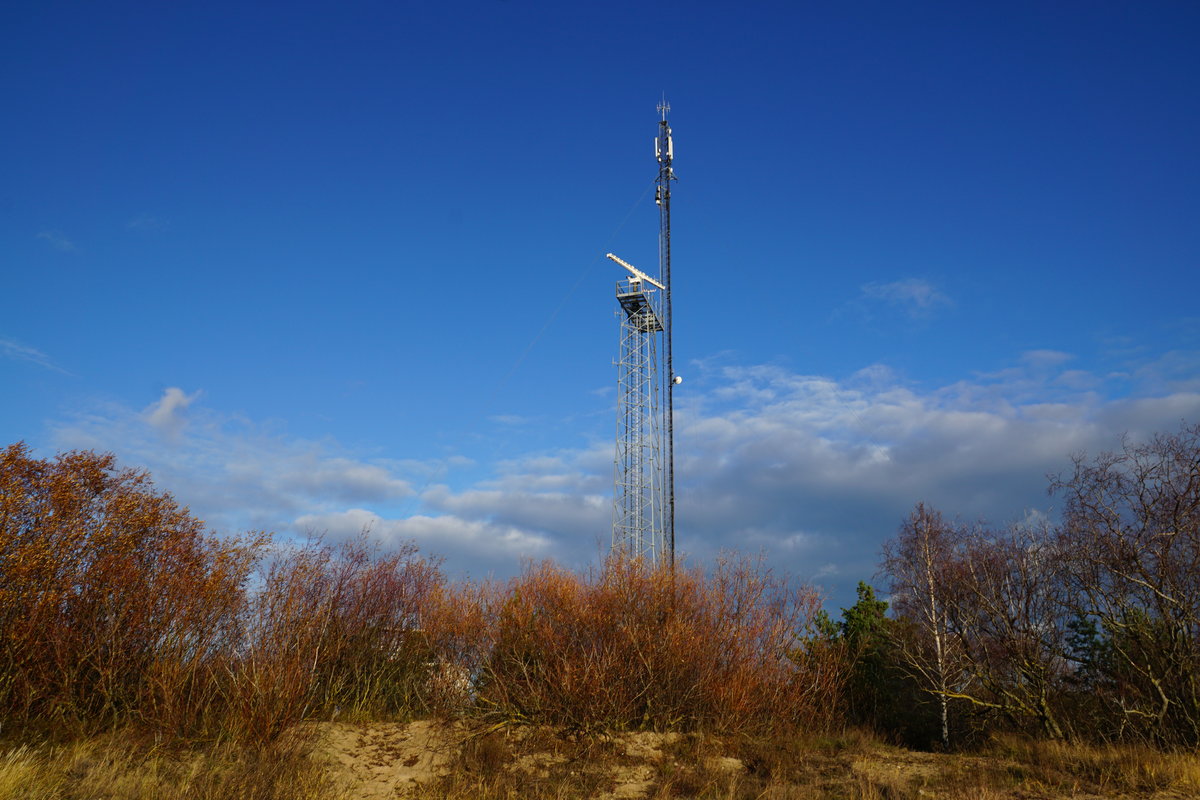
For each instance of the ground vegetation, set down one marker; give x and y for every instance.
(139, 650)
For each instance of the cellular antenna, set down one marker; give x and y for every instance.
(644, 466)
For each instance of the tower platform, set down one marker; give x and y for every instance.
(638, 308)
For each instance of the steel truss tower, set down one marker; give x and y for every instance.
(637, 476)
(644, 469)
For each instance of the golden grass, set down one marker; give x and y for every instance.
(114, 767)
(19, 769)
(1104, 768)
(549, 764)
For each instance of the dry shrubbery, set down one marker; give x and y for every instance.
(632, 646)
(333, 631)
(119, 612)
(118, 608)
(113, 603)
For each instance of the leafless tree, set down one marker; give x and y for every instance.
(989, 616)
(1006, 610)
(914, 563)
(1131, 536)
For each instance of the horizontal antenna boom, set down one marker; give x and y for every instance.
(636, 272)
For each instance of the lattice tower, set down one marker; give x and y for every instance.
(644, 470)
(637, 479)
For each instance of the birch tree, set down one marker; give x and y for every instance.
(914, 562)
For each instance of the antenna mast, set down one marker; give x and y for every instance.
(665, 151)
(644, 468)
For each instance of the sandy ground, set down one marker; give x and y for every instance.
(391, 760)
(383, 759)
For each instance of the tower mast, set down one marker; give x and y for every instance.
(644, 466)
(665, 152)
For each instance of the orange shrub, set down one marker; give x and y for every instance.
(641, 646)
(112, 599)
(335, 630)
(116, 606)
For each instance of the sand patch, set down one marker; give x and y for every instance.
(387, 759)
(395, 760)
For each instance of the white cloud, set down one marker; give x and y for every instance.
(509, 419)
(167, 415)
(818, 472)
(343, 479)
(1045, 358)
(565, 514)
(824, 571)
(233, 472)
(474, 545)
(58, 241)
(765, 452)
(10, 348)
(915, 296)
(146, 223)
(1173, 371)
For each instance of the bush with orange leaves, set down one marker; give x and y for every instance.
(336, 631)
(641, 646)
(117, 607)
(113, 601)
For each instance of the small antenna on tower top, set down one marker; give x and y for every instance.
(664, 107)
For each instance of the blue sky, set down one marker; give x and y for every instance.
(327, 266)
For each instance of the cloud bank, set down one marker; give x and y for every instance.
(233, 472)
(814, 472)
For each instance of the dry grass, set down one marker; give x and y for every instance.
(1101, 768)
(523, 763)
(489, 762)
(114, 768)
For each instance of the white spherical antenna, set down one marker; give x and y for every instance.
(678, 380)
